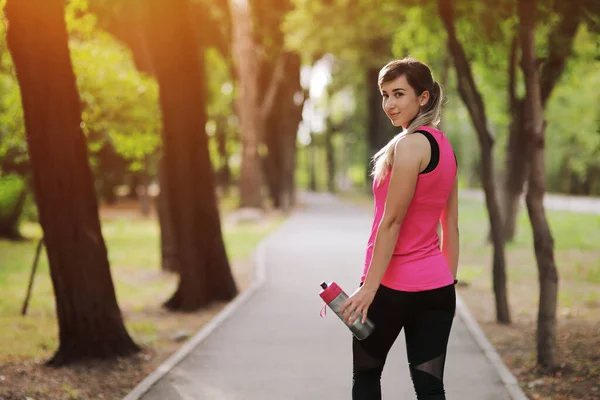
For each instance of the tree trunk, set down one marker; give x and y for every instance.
(281, 130)
(272, 136)
(224, 172)
(311, 152)
(516, 162)
(168, 244)
(472, 99)
(291, 115)
(109, 172)
(89, 319)
(134, 182)
(560, 48)
(288, 196)
(144, 196)
(245, 56)
(543, 241)
(9, 224)
(292, 121)
(560, 45)
(280, 89)
(205, 274)
(330, 160)
(292, 102)
(273, 160)
(515, 175)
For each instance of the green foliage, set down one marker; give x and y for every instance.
(10, 188)
(221, 89)
(12, 127)
(367, 33)
(356, 31)
(421, 36)
(220, 109)
(120, 104)
(573, 118)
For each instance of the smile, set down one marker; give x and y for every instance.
(393, 115)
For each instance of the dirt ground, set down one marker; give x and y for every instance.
(31, 379)
(98, 380)
(578, 352)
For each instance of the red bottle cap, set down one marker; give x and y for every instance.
(330, 291)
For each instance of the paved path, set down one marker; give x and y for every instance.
(558, 202)
(276, 347)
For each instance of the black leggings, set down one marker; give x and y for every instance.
(426, 318)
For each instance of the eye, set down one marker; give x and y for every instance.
(385, 96)
(399, 94)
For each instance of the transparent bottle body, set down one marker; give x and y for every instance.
(358, 328)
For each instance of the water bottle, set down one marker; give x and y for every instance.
(334, 297)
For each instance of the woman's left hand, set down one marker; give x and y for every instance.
(358, 303)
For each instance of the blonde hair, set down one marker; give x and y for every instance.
(420, 78)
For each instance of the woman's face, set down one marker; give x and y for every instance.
(400, 102)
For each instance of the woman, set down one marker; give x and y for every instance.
(409, 277)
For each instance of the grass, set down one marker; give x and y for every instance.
(577, 258)
(141, 287)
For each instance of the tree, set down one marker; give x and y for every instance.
(89, 319)
(280, 131)
(474, 103)
(252, 105)
(279, 77)
(205, 274)
(534, 135)
(247, 64)
(560, 47)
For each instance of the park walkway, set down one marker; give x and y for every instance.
(274, 346)
(557, 202)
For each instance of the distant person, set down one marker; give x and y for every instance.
(409, 276)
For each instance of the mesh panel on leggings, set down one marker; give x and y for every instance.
(363, 360)
(433, 367)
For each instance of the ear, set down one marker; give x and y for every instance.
(424, 98)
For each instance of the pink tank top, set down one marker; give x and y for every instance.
(417, 262)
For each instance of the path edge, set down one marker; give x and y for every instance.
(506, 376)
(259, 276)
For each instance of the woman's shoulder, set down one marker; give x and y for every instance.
(430, 129)
(435, 134)
(411, 144)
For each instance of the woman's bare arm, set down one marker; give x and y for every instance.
(408, 157)
(450, 232)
